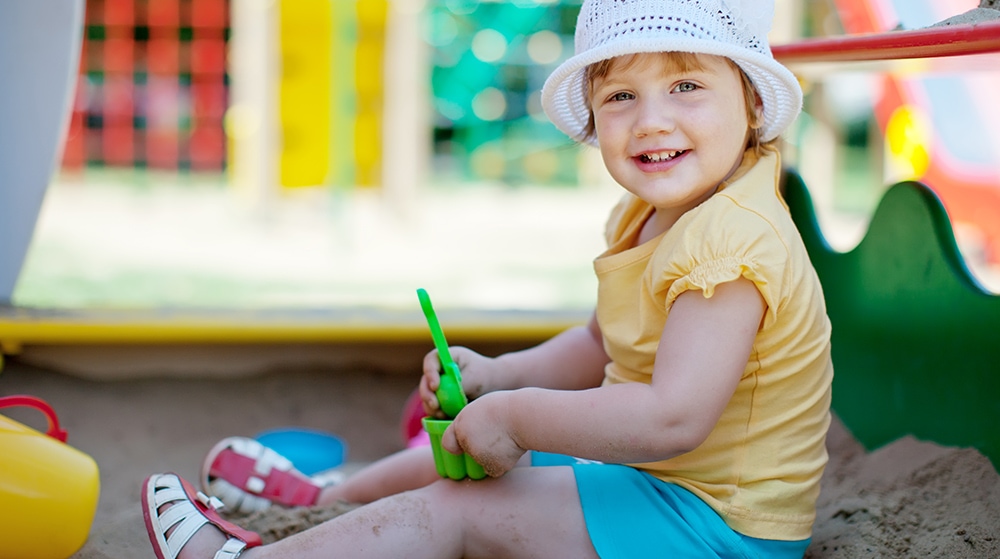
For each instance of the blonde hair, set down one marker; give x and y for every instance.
(681, 62)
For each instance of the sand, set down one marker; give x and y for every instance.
(907, 499)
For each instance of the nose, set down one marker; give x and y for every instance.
(654, 116)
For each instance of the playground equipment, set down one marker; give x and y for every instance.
(151, 91)
(939, 121)
(39, 50)
(48, 489)
(307, 89)
(913, 331)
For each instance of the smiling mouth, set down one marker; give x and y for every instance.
(658, 156)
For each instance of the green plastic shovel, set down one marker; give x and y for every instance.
(450, 395)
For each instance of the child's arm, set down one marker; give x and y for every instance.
(703, 352)
(572, 360)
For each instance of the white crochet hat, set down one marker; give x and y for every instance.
(736, 29)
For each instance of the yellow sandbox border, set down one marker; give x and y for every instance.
(23, 326)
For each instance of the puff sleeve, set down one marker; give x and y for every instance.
(719, 245)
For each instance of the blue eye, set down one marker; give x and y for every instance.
(621, 96)
(685, 86)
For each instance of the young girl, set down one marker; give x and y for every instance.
(696, 398)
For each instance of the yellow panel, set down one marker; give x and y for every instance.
(344, 99)
(367, 149)
(368, 80)
(305, 90)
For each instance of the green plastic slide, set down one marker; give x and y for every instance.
(916, 339)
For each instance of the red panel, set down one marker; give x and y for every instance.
(118, 55)
(208, 56)
(162, 55)
(209, 97)
(208, 145)
(74, 150)
(119, 99)
(92, 57)
(857, 16)
(163, 13)
(94, 12)
(215, 33)
(162, 104)
(117, 144)
(161, 149)
(167, 101)
(184, 57)
(119, 12)
(209, 13)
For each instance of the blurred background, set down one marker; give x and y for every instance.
(329, 153)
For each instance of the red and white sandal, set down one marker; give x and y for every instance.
(189, 511)
(248, 476)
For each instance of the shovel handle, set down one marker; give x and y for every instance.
(450, 395)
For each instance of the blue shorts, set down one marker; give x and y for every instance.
(631, 514)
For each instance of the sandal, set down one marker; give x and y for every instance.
(248, 477)
(189, 511)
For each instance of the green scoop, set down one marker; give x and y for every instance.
(450, 395)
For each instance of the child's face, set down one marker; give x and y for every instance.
(668, 135)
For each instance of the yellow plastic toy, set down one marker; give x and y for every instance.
(48, 489)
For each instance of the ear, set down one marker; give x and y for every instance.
(758, 112)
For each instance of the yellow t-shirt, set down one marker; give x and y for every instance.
(760, 466)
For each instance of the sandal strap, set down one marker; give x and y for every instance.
(256, 471)
(270, 475)
(231, 549)
(235, 498)
(168, 494)
(188, 513)
(190, 522)
(175, 514)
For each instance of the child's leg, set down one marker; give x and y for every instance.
(529, 512)
(405, 470)
(408, 469)
(402, 471)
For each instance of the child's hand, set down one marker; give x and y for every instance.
(482, 430)
(473, 366)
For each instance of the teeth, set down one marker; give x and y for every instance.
(660, 156)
